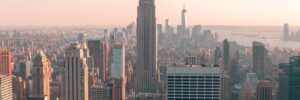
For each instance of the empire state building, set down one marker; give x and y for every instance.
(146, 71)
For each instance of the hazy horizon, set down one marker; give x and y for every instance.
(122, 12)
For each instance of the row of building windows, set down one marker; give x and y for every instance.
(193, 76)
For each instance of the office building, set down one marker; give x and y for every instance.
(74, 74)
(94, 51)
(289, 80)
(264, 90)
(41, 76)
(194, 83)
(102, 91)
(258, 59)
(226, 55)
(146, 71)
(117, 61)
(6, 92)
(5, 63)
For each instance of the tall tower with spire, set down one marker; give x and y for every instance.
(146, 71)
(184, 19)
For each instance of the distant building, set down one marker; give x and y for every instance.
(252, 79)
(25, 69)
(41, 76)
(192, 60)
(6, 92)
(289, 80)
(217, 55)
(102, 92)
(117, 61)
(5, 62)
(197, 31)
(264, 90)
(194, 83)
(226, 55)
(159, 29)
(75, 74)
(258, 59)
(286, 32)
(104, 51)
(94, 51)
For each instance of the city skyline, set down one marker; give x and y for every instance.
(76, 12)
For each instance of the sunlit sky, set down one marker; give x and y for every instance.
(121, 12)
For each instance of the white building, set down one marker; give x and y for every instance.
(75, 74)
(194, 83)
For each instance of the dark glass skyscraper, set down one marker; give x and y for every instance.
(146, 71)
(226, 55)
(258, 59)
(289, 80)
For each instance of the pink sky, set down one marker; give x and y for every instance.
(121, 12)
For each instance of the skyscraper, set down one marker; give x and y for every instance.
(74, 74)
(94, 51)
(226, 55)
(104, 50)
(289, 80)
(258, 59)
(184, 20)
(286, 31)
(41, 74)
(146, 71)
(5, 63)
(264, 90)
(117, 61)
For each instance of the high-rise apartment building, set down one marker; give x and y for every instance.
(75, 74)
(5, 63)
(41, 74)
(146, 71)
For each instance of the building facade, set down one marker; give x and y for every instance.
(146, 71)
(41, 76)
(289, 80)
(75, 74)
(258, 59)
(117, 61)
(264, 90)
(6, 92)
(194, 83)
(5, 63)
